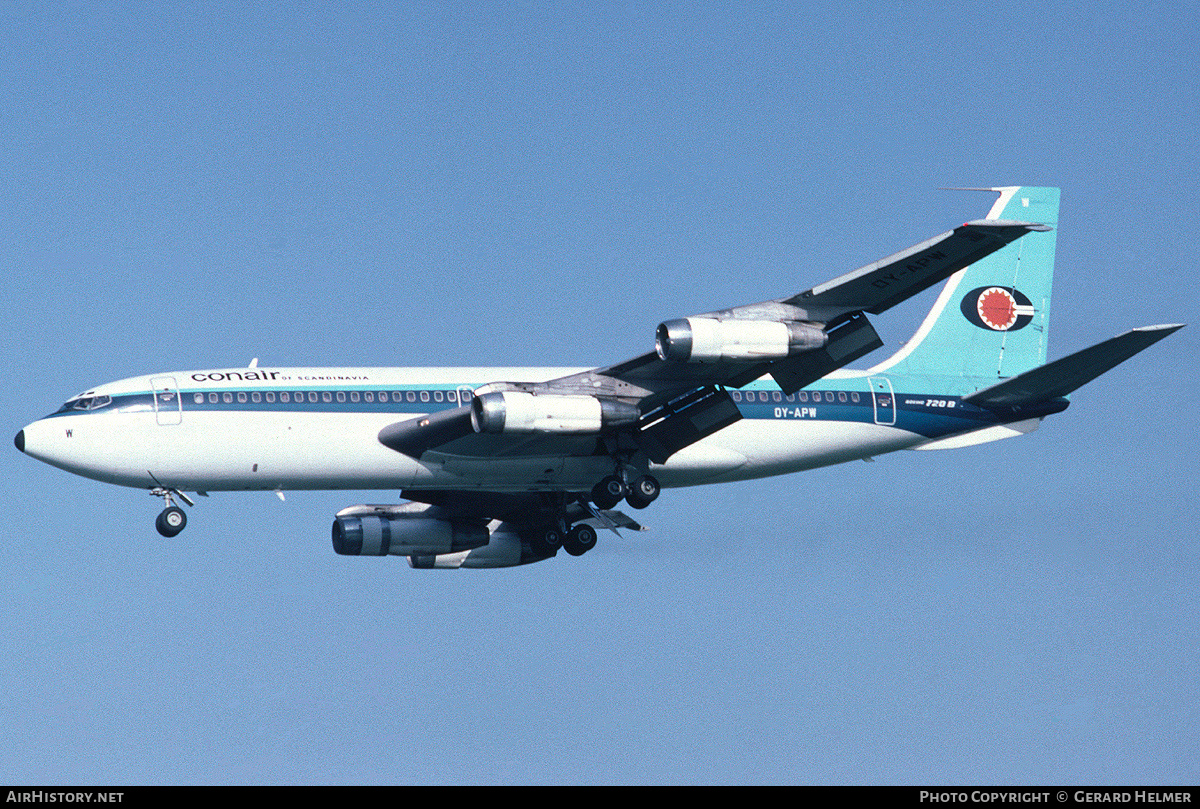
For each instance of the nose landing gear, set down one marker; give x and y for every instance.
(172, 519)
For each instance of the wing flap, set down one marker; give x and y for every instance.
(849, 340)
(685, 420)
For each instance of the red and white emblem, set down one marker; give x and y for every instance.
(998, 309)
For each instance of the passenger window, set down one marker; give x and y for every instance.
(256, 397)
(841, 395)
(803, 396)
(424, 396)
(341, 395)
(242, 397)
(354, 397)
(396, 396)
(212, 398)
(369, 396)
(284, 396)
(437, 396)
(198, 398)
(227, 398)
(829, 396)
(776, 395)
(312, 396)
(326, 397)
(853, 397)
(736, 394)
(412, 397)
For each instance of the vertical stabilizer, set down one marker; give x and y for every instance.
(991, 320)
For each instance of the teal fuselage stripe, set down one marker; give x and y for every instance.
(928, 416)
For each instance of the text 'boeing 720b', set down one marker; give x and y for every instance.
(504, 466)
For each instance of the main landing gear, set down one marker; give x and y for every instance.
(577, 540)
(612, 489)
(172, 520)
(580, 538)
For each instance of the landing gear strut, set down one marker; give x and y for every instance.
(558, 531)
(172, 520)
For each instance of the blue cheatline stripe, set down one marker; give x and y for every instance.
(929, 416)
(341, 400)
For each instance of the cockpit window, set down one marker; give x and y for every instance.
(86, 403)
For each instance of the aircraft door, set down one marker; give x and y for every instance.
(465, 395)
(884, 400)
(168, 404)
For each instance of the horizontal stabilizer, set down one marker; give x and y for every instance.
(1056, 379)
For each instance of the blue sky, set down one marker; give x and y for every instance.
(195, 185)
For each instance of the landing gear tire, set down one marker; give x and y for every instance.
(580, 540)
(171, 521)
(643, 492)
(547, 542)
(608, 492)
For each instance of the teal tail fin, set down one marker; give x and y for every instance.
(991, 320)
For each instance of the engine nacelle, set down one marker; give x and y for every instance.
(387, 531)
(519, 412)
(506, 549)
(706, 339)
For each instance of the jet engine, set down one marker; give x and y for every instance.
(505, 550)
(706, 339)
(391, 530)
(428, 539)
(520, 412)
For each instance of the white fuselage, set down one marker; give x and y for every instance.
(317, 428)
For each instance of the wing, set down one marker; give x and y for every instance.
(521, 509)
(664, 400)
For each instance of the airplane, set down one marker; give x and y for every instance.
(505, 466)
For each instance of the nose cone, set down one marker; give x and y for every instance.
(39, 440)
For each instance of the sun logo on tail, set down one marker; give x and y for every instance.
(997, 308)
